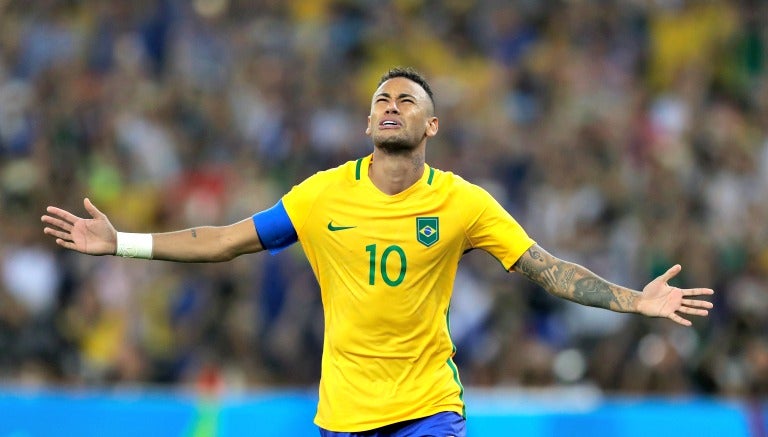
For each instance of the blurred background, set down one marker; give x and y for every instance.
(623, 135)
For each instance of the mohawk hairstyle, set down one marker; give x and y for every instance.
(410, 74)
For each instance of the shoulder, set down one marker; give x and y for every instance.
(449, 181)
(303, 197)
(340, 174)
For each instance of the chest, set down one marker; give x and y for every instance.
(387, 236)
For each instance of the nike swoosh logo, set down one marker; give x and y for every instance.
(333, 228)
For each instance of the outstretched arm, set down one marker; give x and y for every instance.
(576, 283)
(97, 236)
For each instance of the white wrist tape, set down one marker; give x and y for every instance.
(131, 245)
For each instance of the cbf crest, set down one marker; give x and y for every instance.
(427, 230)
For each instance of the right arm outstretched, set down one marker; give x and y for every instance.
(97, 236)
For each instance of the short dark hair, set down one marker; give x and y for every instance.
(410, 74)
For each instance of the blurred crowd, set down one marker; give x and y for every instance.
(624, 135)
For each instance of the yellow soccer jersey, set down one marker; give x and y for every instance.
(386, 267)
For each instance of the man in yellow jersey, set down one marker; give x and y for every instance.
(384, 235)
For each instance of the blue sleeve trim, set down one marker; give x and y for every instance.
(274, 228)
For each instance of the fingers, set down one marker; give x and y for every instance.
(53, 221)
(697, 291)
(66, 244)
(691, 307)
(693, 311)
(91, 208)
(679, 320)
(60, 235)
(695, 303)
(669, 274)
(60, 229)
(62, 214)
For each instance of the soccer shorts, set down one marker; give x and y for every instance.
(448, 424)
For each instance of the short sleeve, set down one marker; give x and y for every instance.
(495, 231)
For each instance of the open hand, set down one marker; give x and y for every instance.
(659, 299)
(94, 236)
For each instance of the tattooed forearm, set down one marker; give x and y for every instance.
(530, 265)
(566, 278)
(574, 282)
(594, 292)
(547, 271)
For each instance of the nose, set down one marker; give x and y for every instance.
(392, 108)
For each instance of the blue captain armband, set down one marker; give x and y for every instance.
(274, 228)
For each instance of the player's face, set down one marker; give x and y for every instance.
(401, 116)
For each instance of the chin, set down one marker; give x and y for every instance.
(395, 146)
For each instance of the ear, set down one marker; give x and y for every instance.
(368, 128)
(432, 126)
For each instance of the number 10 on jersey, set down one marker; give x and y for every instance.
(372, 254)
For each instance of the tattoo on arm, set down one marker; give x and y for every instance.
(194, 233)
(594, 292)
(573, 282)
(548, 275)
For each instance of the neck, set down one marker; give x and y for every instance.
(393, 173)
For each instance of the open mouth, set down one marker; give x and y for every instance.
(389, 124)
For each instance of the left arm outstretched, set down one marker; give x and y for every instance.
(578, 284)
